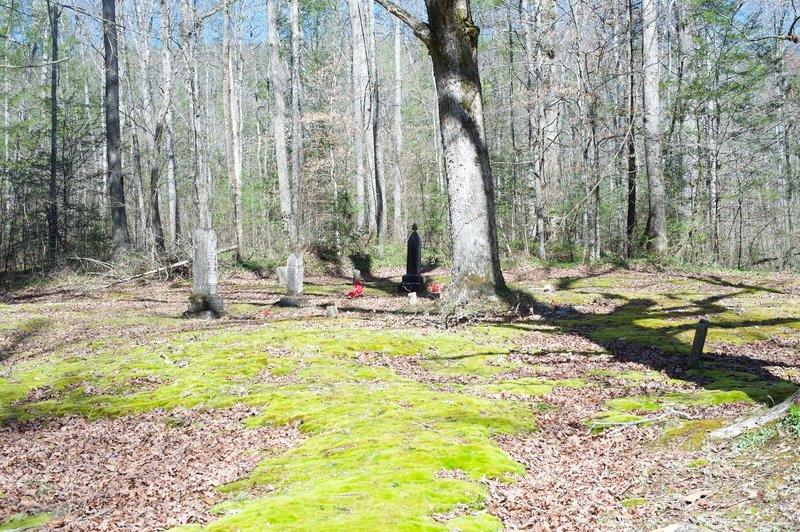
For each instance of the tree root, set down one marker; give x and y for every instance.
(774, 414)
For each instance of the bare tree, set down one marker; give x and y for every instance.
(54, 12)
(398, 230)
(630, 143)
(297, 126)
(651, 69)
(230, 97)
(119, 218)
(278, 77)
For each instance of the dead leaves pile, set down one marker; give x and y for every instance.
(145, 472)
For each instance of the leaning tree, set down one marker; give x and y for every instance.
(452, 41)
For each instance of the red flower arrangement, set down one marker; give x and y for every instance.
(358, 291)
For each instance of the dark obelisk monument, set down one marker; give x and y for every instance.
(412, 280)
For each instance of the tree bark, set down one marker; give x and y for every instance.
(630, 225)
(172, 184)
(398, 229)
(297, 127)
(651, 67)
(359, 81)
(52, 203)
(119, 219)
(278, 77)
(377, 152)
(189, 27)
(452, 41)
(232, 131)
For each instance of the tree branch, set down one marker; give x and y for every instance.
(420, 29)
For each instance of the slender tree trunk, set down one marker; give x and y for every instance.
(297, 128)
(233, 141)
(119, 218)
(630, 225)
(377, 151)
(398, 231)
(6, 188)
(52, 205)
(359, 79)
(452, 40)
(172, 184)
(190, 26)
(657, 219)
(512, 125)
(278, 77)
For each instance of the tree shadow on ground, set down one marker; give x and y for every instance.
(638, 330)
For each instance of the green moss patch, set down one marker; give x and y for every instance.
(19, 522)
(375, 440)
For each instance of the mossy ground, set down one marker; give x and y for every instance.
(379, 437)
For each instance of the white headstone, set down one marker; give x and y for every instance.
(412, 298)
(294, 275)
(205, 297)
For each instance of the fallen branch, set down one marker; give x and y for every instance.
(169, 268)
(668, 414)
(774, 414)
(106, 265)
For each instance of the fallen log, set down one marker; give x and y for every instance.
(774, 414)
(169, 268)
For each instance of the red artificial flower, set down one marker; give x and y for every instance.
(358, 291)
(435, 288)
(266, 313)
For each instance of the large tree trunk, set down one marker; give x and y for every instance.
(452, 40)
(278, 77)
(119, 218)
(297, 127)
(657, 218)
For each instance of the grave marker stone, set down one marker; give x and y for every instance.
(205, 302)
(412, 280)
(294, 282)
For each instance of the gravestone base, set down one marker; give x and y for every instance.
(293, 301)
(412, 283)
(204, 307)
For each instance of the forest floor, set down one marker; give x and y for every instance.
(567, 406)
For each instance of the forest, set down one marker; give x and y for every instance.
(612, 130)
(457, 265)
